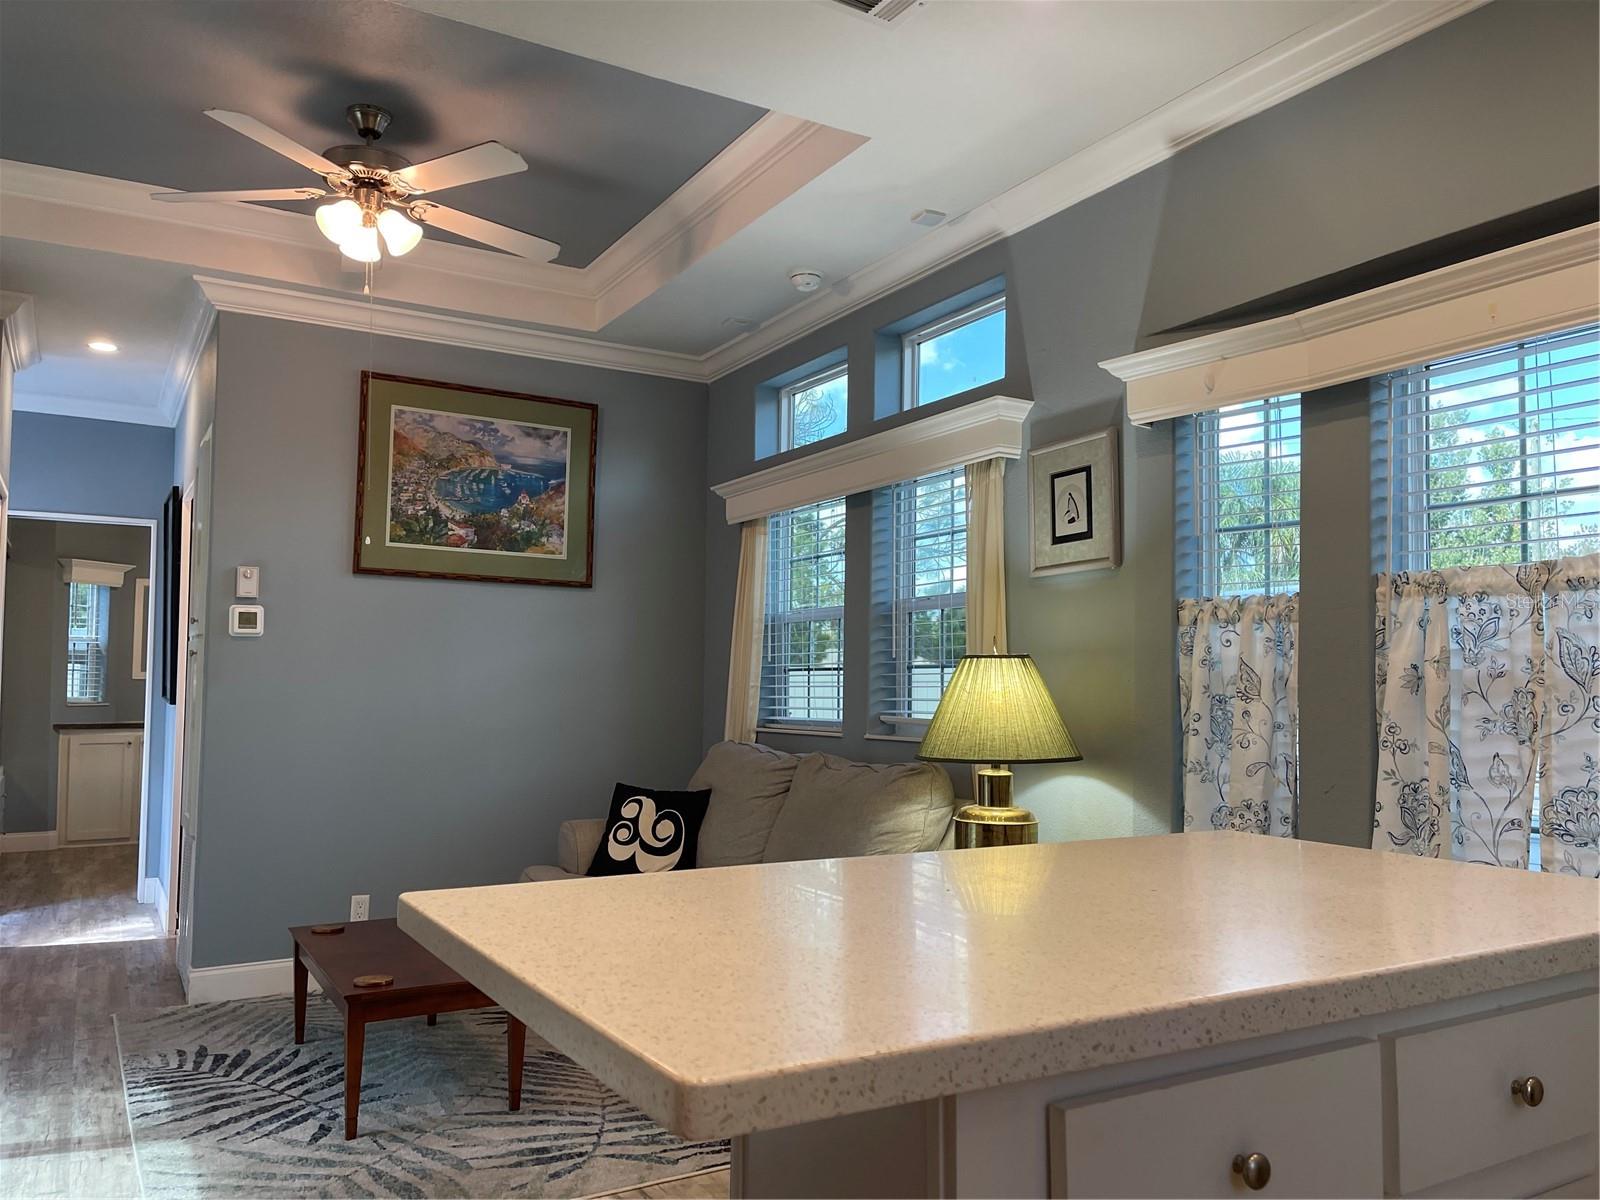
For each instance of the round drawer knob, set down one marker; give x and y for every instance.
(1254, 1169)
(1530, 1090)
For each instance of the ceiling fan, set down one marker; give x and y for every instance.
(374, 193)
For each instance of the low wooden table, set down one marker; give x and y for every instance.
(423, 986)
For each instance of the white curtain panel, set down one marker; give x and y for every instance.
(986, 556)
(1239, 686)
(749, 617)
(1486, 697)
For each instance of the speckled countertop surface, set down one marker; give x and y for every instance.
(742, 998)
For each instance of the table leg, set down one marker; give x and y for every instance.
(355, 1037)
(433, 1018)
(516, 1048)
(299, 997)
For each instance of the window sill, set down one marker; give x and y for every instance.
(800, 731)
(88, 704)
(891, 737)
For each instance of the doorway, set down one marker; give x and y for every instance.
(82, 733)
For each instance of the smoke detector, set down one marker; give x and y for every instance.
(805, 279)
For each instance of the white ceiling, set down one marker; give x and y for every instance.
(996, 112)
(138, 303)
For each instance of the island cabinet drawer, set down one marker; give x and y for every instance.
(1455, 1109)
(1315, 1118)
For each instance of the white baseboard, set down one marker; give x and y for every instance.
(243, 981)
(12, 843)
(159, 897)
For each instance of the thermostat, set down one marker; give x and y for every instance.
(245, 620)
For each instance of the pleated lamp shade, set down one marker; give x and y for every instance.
(997, 710)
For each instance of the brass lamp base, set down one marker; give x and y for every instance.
(994, 820)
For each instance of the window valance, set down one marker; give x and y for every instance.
(1540, 287)
(975, 432)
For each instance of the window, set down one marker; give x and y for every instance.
(955, 353)
(88, 629)
(802, 662)
(814, 408)
(1494, 457)
(1243, 503)
(923, 621)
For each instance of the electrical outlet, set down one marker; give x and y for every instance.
(359, 907)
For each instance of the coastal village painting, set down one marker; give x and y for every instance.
(459, 482)
(472, 483)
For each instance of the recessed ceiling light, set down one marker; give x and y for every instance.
(101, 346)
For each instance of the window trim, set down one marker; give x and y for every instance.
(787, 393)
(912, 340)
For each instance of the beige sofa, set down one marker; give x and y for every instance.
(768, 806)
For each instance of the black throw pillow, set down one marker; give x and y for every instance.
(650, 830)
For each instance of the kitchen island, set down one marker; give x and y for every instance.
(1184, 1015)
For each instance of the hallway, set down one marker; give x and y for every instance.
(73, 896)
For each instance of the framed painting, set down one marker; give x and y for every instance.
(456, 482)
(1075, 498)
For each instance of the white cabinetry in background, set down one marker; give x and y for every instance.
(97, 791)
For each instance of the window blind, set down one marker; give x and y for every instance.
(1241, 506)
(922, 618)
(1494, 457)
(802, 663)
(88, 631)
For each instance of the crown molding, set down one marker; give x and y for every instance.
(984, 429)
(1269, 78)
(22, 331)
(56, 405)
(1523, 291)
(453, 329)
(198, 320)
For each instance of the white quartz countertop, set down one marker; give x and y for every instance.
(742, 998)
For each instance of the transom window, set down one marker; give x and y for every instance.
(814, 408)
(955, 353)
(1244, 499)
(924, 617)
(1494, 457)
(88, 631)
(802, 663)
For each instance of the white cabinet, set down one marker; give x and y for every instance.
(98, 789)
(1312, 1121)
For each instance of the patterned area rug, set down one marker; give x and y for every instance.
(223, 1103)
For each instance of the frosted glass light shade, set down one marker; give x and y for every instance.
(996, 709)
(400, 232)
(339, 220)
(362, 245)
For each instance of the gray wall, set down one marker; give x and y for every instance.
(110, 469)
(33, 697)
(1410, 146)
(389, 734)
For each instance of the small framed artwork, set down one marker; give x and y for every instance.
(1075, 498)
(456, 482)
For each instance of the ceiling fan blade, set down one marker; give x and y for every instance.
(487, 160)
(501, 237)
(305, 193)
(275, 141)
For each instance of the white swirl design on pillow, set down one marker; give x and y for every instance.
(654, 841)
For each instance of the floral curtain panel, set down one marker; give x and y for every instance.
(1239, 687)
(1487, 681)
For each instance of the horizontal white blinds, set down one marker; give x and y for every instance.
(1245, 502)
(802, 662)
(1494, 457)
(88, 631)
(923, 625)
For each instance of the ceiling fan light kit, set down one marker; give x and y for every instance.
(374, 205)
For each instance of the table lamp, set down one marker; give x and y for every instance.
(996, 710)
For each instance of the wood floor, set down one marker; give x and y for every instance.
(63, 1123)
(79, 895)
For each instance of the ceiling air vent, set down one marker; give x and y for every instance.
(887, 11)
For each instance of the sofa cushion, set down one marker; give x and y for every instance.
(749, 784)
(838, 809)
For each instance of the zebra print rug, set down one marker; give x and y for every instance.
(223, 1103)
